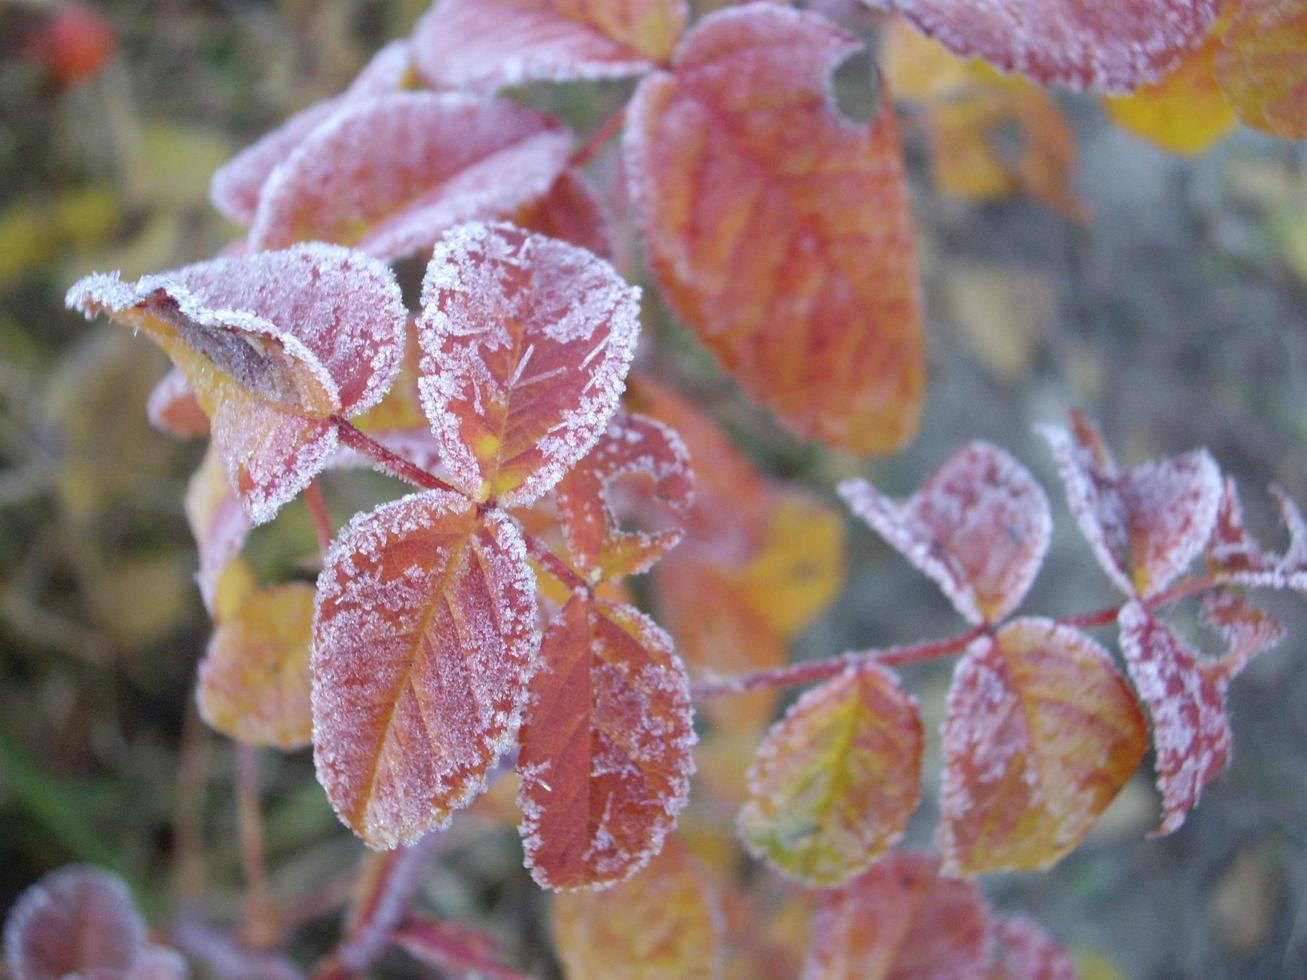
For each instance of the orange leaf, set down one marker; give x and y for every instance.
(1185, 110)
(836, 779)
(423, 646)
(633, 446)
(664, 922)
(901, 919)
(1262, 66)
(272, 345)
(219, 525)
(526, 342)
(573, 211)
(779, 230)
(492, 43)
(1109, 45)
(254, 679)
(605, 747)
(172, 408)
(388, 174)
(1042, 732)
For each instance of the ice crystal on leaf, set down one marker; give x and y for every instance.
(272, 345)
(389, 174)
(572, 210)
(1109, 45)
(605, 746)
(423, 645)
(979, 527)
(1144, 526)
(836, 779)
(633, 445)
(1041, 734)
(526, 342)
(487, 44)
(778, 229)
(1025, 952)
(1233, 555)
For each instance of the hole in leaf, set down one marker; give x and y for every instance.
(631, 498)
(856, 84)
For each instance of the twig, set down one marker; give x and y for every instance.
(261, 915)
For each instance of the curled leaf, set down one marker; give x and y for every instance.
(423, 646)
(605, 746)
(526, 342)
(388, 174)
(779, 230)
(1233, 555)
(1042, 732)
(836, 779)
(1110, 45)
(979, 526)
(172, 408)
(487, 44)
(632, 446)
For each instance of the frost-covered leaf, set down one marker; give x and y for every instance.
(526, 342)
(1109, 45)
(979, 526)
(779, 230)
(901, 919)
(1042, 732)
(1186, 697)
(633, 447)
(1027, 952)
(1246, 629)
(1144, 526)
(1184, 111)
(172, 408)
(218, 523)
(272, 345)
(389, 174)
(81, 922)
(254, 679)
(1234, 556)
(605, 746)
(836, 779)
(573, 211)
(664, 922)
(236, 185)
(423, 646)
(453, 947)
(1263, 66)
(487, 44)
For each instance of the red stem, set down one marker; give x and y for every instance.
(318, 511)
(387, 460)
(591, 147)
(554, 565)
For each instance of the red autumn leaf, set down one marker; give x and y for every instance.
(779, 230)
(388, 174)
(491, 43)
(172, 408)
(218, 523)
(1262, 66)
(664, 922)
(836, 779)
(901, 919)
(573, 211)
(1246, 630)
(1186, 697)
(1233, 555)
(1108, 45)
(423, 646)
(633, 446)
(272, 345)
(605, 746)
(979, 527)
(1041, 734)
(237, 184)
(457, 949)
(526, 342)
(1144, 526)
(1026, 952)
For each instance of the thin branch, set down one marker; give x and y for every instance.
(261, 914)
(588, 150)
(387, 460)
(552, 564)
(318, 511)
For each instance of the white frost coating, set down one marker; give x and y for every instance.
(489, 44)
(390, 173)
(423, 647)
(1235, 556)
(491, 294)
(1107, 45)
(1028, 952)
(236, 185)
(1191, 733)
(218, 523)
(1247, 631)
(78, 910)
(979, 527)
